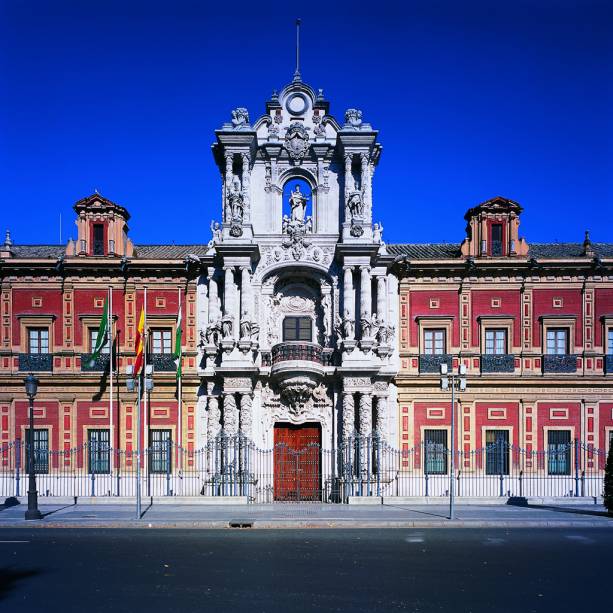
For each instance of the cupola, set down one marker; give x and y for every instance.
(493, 230)
(102, 229)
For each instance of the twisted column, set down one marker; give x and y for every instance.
(365, 422)
(228, 185)
(229, 299)
(348, 296)
(230, 414)
(366, 184)
(381, 415)
(348, 415)
(214, 421)
(246, 160)
(246, 415)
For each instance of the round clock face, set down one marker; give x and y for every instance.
(296, 104)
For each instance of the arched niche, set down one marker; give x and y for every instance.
(303, 177)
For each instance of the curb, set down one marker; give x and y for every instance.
(300, 524)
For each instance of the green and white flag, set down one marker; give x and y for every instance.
(102, 336)
(178, 353)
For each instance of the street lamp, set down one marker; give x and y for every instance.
(452, 380)
(31, 383)
(132, 384)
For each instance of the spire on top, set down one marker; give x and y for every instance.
(297, 77)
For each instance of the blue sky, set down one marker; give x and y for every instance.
(472, 99)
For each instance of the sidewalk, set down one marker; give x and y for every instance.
(307, 515)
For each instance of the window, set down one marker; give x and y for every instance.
(297, 329)
(38, 340)
(98, 239)
(558, 452)
(496, 452)
(41, 450)
(99, 451)
(435, 452)
(495, 341)
(161, 340)
(93, 337)
(160, 451)
(434, 342)
(610, 342)
(497, 239)
(557, 341)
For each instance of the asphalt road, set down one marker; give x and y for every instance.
(519, 570)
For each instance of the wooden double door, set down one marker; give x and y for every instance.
(297, 462)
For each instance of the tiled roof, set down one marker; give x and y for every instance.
(38, 251)
(168, 252)
(426, 251)
(436, 251)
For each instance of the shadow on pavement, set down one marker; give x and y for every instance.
(10, 577)
(414, 510)
(74, 504)
(9, 502)
(522, 502)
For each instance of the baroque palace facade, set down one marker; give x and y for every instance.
(302, 328)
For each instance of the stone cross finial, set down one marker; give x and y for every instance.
(7, 240)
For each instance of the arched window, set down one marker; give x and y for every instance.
(298, 329)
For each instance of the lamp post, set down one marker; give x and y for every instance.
(452, 380)
(131, 385)
(31, 383)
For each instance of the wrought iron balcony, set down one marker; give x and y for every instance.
(431, 363)
(36, 362)
(501, 363)
(608, 364)
(565, 363)
(307, 352)
(100, 364)
(162, 362)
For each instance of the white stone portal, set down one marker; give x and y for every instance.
(296, 303)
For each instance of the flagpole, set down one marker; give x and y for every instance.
(145, 394)
(180, 395)
(111, 371)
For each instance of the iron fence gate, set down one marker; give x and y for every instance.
(360, 466)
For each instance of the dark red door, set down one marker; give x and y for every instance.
(297, 455)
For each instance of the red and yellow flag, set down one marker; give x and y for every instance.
(139, 344)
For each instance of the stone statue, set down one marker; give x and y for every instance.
(308, 224)
(236, 202)
(245, 327)
(213, 330)
(285, 224)
(377, 233)
(255, 331)
(226, 326)
(240, 118)
(297, 202)
(374, 325)
(348, 326)
(326, 304)
(355, 204)
(366, 325)
(216, 232)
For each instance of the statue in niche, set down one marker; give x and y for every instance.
(366, 324)
(326, 305)
(355, 204)
(298, 203)
(226, 326)
(236, 202)
(345, 327)
(255, 331)
(245, 327)
(213, 332)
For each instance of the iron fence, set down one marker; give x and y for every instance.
(361, 466)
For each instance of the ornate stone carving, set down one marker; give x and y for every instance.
(227, 327)
(353, 118)
(297, 391)
(348, 415)
(236, 230)
(377, 234)
(296, 232)
(356, 230)
(212, 334)
(237, 383)
(230, 414)
(355, 204)
(297, 141)
(357, 383)
(213, 423)
(236, 203)
(365, 416)
(246, 415)
(240, 118)
(345, 327)
(319, 129)
(298, 204)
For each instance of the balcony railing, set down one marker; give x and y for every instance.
(162, 362)
(566, 363)
(501, 363)
(608, 364)
(309, 352)
(431, 364)
(36, 362)
(100, 364)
